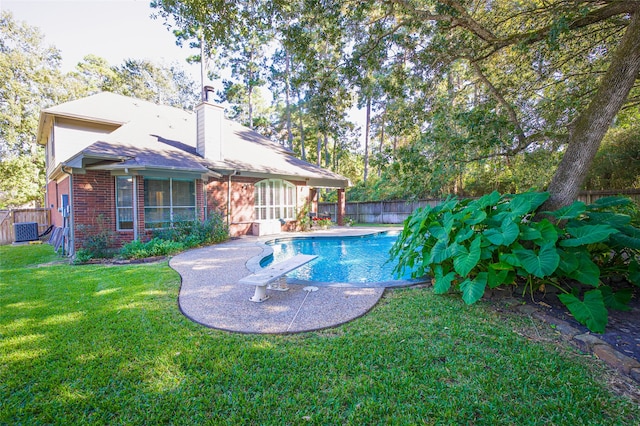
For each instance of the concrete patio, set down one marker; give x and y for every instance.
(211, 295)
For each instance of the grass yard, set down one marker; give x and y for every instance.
(108, 345)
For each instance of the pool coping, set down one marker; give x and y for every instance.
(254, 264)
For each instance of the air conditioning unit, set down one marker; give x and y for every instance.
(25, 231)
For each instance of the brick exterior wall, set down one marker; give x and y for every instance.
(242, 202)
(94, 208)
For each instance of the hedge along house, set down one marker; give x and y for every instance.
(127, 167)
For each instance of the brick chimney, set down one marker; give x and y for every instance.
(209, 118)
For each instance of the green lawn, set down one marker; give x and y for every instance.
(108, 345)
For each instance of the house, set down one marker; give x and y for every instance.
(133, 166)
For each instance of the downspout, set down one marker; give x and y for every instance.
(136, 233)
(71, 221)
(235, 172)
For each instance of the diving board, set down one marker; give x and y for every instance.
(273, 272)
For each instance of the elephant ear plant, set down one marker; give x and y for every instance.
(497, 240)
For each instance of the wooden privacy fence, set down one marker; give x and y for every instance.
(9, 217)
(395, 212)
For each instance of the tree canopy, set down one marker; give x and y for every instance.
(467, 84)
(463, 97)
(31, 79)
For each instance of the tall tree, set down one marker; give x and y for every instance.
(533, 76)
(167, 85)
(569, 52)
(29, 80)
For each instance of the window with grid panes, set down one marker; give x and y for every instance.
(274, 199)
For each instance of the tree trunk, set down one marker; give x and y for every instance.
(366, 140)
(327, 160)
(249, 94)
(381, 140)
(319, 150)
(335, 153)
(591, 125)
(250, 91)
(303, 151)
(287, 89)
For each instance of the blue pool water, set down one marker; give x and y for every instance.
(356, 260)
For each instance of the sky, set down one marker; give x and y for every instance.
(113, 29)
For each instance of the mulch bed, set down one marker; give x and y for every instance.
(622, 331)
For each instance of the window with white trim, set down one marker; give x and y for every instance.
(167, 201)
(124, 202)
(274, 199)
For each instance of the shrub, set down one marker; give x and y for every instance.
(134, 250)
(153, 247)
(98, 240)
(82, 256)
(181, 236)
(196, 233)
(317, 221)
(494, 241)
(303, 219)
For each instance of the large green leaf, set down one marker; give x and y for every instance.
(487, 200)
(528, 232)
(587, 234)
(527, 202)
(442, 251)
(540, 264)
(628, 236)
(587, 272)
(618, 300)
(472, 290)
(634, 272)
(438, 232)
(609, 218)
(494, 235)
(510, 232)
(614, 201)
(568, 262)
(442, 282)
(448, 219)
(510, 259)
(467, 259)
(447, 205)
(590, 312)
(464, 234)
(569, 212)
(505, 235)
(498, 274)
(474, 217)
(548, 232)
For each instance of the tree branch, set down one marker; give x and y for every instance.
(511, 113)
(593, 17)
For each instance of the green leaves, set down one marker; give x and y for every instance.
(541, 264)
(569, 212)
(467, 259)
(505, 235)
(472, 290)
(591, 312)
(587, 234)
(527, 202)
(472, 245)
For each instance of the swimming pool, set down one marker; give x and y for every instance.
(362, 261)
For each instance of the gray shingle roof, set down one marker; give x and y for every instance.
(158, 137)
